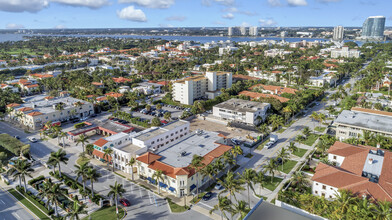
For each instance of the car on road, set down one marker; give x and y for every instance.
(125, 202)
(218, 186)
(32, 139)
(164, 122)
(207, 196)
(236, 141)
(17, 137)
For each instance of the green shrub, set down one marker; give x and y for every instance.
(32, 181)
(10, 143)
(79, 125)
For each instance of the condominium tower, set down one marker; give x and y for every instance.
(373, 28)
(338, 33)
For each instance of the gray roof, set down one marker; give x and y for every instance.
(155, 131)
(375, 166)
(364, 120)
(193, 143)
(268, 211)
(241, 105)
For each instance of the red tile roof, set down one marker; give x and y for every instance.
(114, 94)
(35, 113)
(97, 84)
(277, 90)
(100, 155)
(121, 80)
(13, 105)
(100, 142)
(148, 158)
(256, 96)
(371, 111)
(25, 109)
(244, 77)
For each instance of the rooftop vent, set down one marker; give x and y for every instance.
(370, 161)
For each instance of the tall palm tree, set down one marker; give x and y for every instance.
(47, 185)
(56, 158)
(271, 168)
(237, 150)
(81, 171)
(158, 176)
(116, 191)
(292, 147)
(209, 171)
(62, 135)
(299, 180)
(231, 184)
(20, 170)
(131, 163)
(248, 177)
(241, 208)
(93, 175)
(218, 165)
(224, 205)
(343, 200)
(76, 210)
(383, 210)
(106, 153)
(197, 164)
(260, 179)
(228, 158)
(264, 130)
(82, 140)
(367, 136)
(54, 194)
(282, 154)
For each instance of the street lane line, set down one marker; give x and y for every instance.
(17, 215)
(2, 201)
(202, 203)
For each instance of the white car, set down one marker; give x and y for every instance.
(32, 139)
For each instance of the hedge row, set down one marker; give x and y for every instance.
(34, 199)
(12, 144)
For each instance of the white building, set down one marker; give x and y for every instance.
(240, 110)
(148, 88)
(253, 31)
(243, 30)
(327, 78)
(227, 50)
(338, 33)
(276, 52)
(202, 86)
(345, 52)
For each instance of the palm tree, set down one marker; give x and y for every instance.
(44, 190)
(224, 205)
(299, 180)
(367, 136)
(76, 210)
(209, 171)
(231, 184)
(260, 179)
(241, 208)
(82, 140)
(20, 170)
(237, 150)
(81, 171)
(54, 194)
(282, 154)
(167, 116)
(158, 176)
(379, 139)
(62, 135)
(271, 168)
(248, 177)
(131, 163)
(306, 131)
(228, 158)
(383, 210)
(108, 152)
(116, 191)
(276, 121)
(197, 164)
(89, 148)
(343, 200)
(93, 175)
(292, 147)
(56, 158)
(264, 130)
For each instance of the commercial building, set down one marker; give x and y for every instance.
(351, 124)
(338, 33)
(373, 28)
(345, 52)
(326, 79)
(148, 88)
(39, 109)
(201, 86)
(243, 30)
(363, 170)
(253, 31)
(240, 110)
(230, 31)
(174, 161)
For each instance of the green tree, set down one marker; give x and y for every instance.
(81, 171)
(224, 205)
(231, 184)
(20, 170)
(292, 147)
(158, 176)
(82, 140)
(235, 151)
(58, 157)
(241, 208)
(260, 179)
(271, 168)
(155, 122)
(54, 194)
(107, 154)
(131, 163)
(248, 177)
(209, 171)
(197, 164)
(93, 175)
(116, 191)
(76, 210)
(282, 154)
(167, 116)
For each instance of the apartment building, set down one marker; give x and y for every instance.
(352, 124)
(326, 79)
(363, 170)
(174, 160)
(240, 110)
(37, 110)
(345, 52)
(148, 88)
(201, 86)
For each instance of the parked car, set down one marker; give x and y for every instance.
(164, 122)
(207, 196)
(32, 139)
(235, 141)
(125, 202)
(218, 186)
(93, 115)
(17, 137)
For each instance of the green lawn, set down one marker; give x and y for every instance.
(274, 184)
(174, 207)
(300, 152)
(82, 160)
(310, 140)
(287, 166)
(28, 204)
(320, 129)
(106, 213)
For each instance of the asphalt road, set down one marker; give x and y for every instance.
(10, 209)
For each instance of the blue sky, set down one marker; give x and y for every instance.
(188, 13)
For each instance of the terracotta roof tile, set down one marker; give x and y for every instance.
(148, 158)
(256, 96)
(35, 113)
(101, 154)
(371, 111)
(13, 105)
(25, 109)
(100, 142)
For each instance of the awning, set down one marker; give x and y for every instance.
(162, 185)
(151, 180)
(172, 189)
(192, 187)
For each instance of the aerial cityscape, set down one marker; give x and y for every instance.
(195, 109)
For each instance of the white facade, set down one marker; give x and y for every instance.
(187, 90)
(148, 88)
(324, 190)
(336, 159)
(338, 33)
(345, 52)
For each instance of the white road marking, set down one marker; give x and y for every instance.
(202, 203)
(17, 215)
(149, 195)
(2, 201)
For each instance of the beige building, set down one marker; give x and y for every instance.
(202, 86)
(37, 110)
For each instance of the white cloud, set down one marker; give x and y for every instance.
(230, 9)
(274, 3)
(83, 3)
(176, 18)
(221, 2)
(166, 25)
(267, 22)
(23, 5)
(132, 14)
(297, 2)
(219, 23)
(245, 24)
(327, 1)
(151, 3)
(14, 26)
(228, 16)
(60, 26)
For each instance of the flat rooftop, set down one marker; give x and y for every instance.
(192, 144)
(108, 125)
(364, 120)
(156, 131)
(375, 167)
(45, 106)
(271, 212)
(241, 105)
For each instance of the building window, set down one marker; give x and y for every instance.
(334, 157)
(316, 184)
(316, 192)
(324, 187)
(153, 142)
(323, 194)
(330, 197)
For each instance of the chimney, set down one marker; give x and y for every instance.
(370, 161)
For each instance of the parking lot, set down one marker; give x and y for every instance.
(175, 113)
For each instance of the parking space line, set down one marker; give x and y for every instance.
(202, 203)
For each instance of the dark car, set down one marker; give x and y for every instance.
(207, 196)
(125, 202)
(94, 115)
(17, 137)
(105, 203)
